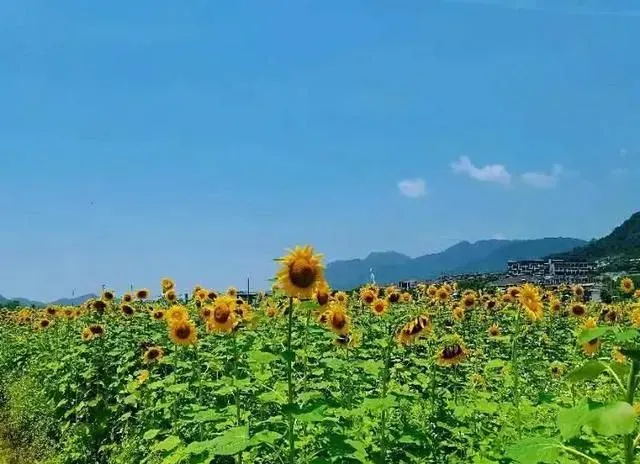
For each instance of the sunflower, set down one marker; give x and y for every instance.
(243, 311)
(491, 304)
(393, 296)
(86, 334)
(414, 329)
(617, 355)
(379, 306)
(167, 284)
(458, 313)
(183, 333)
(143, 377)
(449, 288)
(578, 309)
(452, 352)
(142, 294)
(205, 313)
(223, 318)
(341, 297)
(494, 330)
(348, 340)
(529, 298)
(337, 320)
(322, 295)
(68, 313)
(469, 300)
(44, 323)
(368, 294)
(127, 310)
(442, 295)
(507, 298)
(635, 318)
(171, 296)
(637, 293)
(557, 369)
(127, 297)
(611, 315)
(211, 295)
(99, 306)
(554, 305)
(51, 311)
(97, 330)
(196, 289)
(301, 272)
(153, 353)
(513, 291)
(201, 295)
(176, 314)
(432, 291)
(108, 295)
(590, 323)
(626, 285)
(406, 297)
(232, 291)
(272, 310)
(591, 347)
(158, 314)
(578, 291)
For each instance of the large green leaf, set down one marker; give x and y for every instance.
(627, 335)
(613, 419)
(590, 334)
(265, 436)
(571, 420)
(261, 357)
(588, 371)
(231, 442)
(534, 450)
(167, 444)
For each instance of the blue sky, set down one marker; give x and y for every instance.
(200, 139)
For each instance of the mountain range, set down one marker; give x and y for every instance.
(462, 258)
(75, 301)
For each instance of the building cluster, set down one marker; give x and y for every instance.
(552, 271)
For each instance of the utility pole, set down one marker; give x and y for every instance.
(248, 299)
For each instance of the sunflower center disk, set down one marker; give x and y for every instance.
(302, 274)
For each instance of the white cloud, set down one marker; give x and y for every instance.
(489, 173)
(499, 236)
(412, 188)
(543, 179)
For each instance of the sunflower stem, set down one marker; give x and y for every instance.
(516, 379)
(234, 376)
(385, 387)
(631, 388)
(292, 445)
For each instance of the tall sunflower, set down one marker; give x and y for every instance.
(232, 291)
(337, 320)
(414, 329)
(167, 284)
(108, 295)
(368, 294)
(578, 309)
(379, 306)
(301, 272)
(223, 318)
(127, 297)
(578, 291)
(171, 296)
(530, 299)
(183, 333)
(127, 310)
(627, 286)
(176, 314)
(142, 294)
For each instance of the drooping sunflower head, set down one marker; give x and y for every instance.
(452, 352)
(176, 314)
(97, 330)
(578, 309)
(348, 340)
(171, 296)
(223, 318)
(578, 291)
(591, 347)
(301, 272)
(627, 286)
(127, 310)
(183, 333)
(142, 294)
(167, 284)
(158, 314)
(513, 291)
(379, 306)
(405, 297)
(108, 295)
(414, 329)
(153, 354)
(127, 297)
(494, 330)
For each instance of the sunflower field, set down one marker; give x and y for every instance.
(310, 375)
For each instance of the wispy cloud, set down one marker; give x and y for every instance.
(489, 173)
(412, 188)
(543, 179)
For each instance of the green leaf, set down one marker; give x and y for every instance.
(209, 415)
(613, 419)
(177, 388)
(535, 449)
(316, 415)
(151, 434)
(571, 420)
(372, 367)
(626, 335)
(378, 404)
(265, 436)
(167, 444)
(590, 334)
(261, 357)
(231, 442)
(289, 355)
(588, 371)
